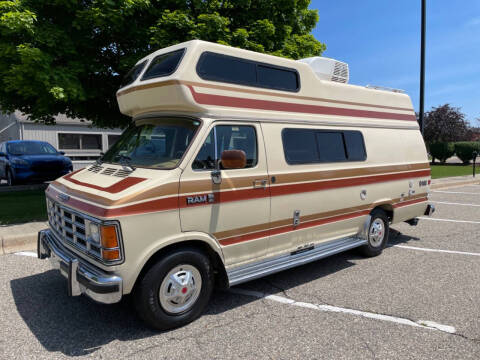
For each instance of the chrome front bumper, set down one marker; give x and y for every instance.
(83, 278)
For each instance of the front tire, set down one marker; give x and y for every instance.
(10, 179)
(175, 290)
(377, 234)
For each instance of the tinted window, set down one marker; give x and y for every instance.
(230, 69)
(133, 74)
(227, 138)
(300, 146)
(355, 145)
(275, 78)
(112, 139)
(305, 146)
(80, 141)
(164, 64)
(331, 146)
(226, 68)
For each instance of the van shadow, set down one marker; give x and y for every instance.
(78, 326)
(397, 238)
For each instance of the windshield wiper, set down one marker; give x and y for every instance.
(126, 161)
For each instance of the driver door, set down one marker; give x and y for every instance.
(236, 212)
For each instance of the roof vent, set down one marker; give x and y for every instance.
(328, 69)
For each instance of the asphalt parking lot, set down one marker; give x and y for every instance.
(419, 299)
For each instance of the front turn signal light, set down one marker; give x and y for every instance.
(109, 236)
(111, 254)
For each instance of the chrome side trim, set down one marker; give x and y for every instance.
(266, 267)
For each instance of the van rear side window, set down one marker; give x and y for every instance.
(309, 146)
(234, 70)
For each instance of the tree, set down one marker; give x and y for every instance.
(60, 56)
(445, 124)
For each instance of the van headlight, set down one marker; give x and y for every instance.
(93, 232)
(106, 237)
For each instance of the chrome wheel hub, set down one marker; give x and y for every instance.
(377, 232)
(180, 289)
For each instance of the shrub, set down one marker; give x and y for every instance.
(464, 150)
(441, 151)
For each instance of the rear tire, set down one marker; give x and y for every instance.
(175, 290)
(378, 232)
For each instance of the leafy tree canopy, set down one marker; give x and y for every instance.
(69, 56)
(445, 124)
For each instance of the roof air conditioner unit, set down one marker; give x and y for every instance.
(328, 69)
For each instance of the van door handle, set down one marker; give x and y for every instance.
(260, 184)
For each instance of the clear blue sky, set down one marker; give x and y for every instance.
(380, 40)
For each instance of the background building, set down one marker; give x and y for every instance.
(80, 141)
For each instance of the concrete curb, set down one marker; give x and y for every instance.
(22, 237)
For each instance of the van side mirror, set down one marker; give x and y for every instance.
(230, 159)
(61, 152)
(234, 159)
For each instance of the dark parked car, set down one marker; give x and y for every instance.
(31, 161)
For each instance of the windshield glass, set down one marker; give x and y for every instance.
(153, 143)
(31, 148)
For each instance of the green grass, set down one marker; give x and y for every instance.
(22, 206)
(440, 171)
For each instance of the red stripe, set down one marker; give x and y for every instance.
(341, 183)
(221, 100)
(410, 202)
(285, 229)
(170, 203)
(112, 189)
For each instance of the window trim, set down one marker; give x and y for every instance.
(256, 63)
(143, 76)
(316, 143)
(226, 124)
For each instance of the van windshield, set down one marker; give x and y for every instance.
(153, 143)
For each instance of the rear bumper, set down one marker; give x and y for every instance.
(82, 277)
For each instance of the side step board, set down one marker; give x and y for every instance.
(283, 262)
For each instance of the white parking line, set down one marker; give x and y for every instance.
(452, 203)
(437, 250)
(26, 253)
(328, 308)
(454, 192)
(450, 220)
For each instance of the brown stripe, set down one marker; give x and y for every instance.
(278, 223)
(335, 174)
(254, 92)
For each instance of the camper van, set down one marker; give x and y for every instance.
(236, 165)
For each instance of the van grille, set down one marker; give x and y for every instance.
(69, 227)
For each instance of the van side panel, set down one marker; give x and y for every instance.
(329, 195)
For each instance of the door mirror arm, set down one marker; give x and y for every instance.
(216, 173)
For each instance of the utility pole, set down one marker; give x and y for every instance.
(422, 67)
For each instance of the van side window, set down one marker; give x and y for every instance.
(307, 146)
(234, 70)
(164, 64)
(229, 137)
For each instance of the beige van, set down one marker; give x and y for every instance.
(236, 165)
